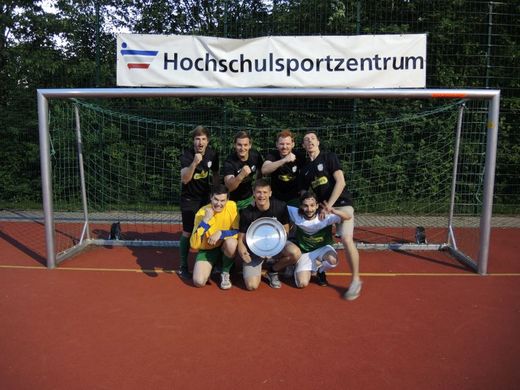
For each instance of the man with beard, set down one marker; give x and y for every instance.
(283, 165)
(314, 238)
(196, 164)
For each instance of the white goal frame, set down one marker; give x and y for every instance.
(492, 96)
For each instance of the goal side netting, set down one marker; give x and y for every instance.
(414, 160)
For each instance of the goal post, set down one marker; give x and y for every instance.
(484, 180)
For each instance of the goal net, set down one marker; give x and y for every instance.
(413, 163)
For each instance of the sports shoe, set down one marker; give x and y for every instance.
(321, 279)
(184, 273)
(353, 291)
(225, 283)
(273, 279)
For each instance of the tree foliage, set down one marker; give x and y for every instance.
(470, 44)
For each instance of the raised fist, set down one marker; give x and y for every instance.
(209, 212)
(197, 158)
(290, 158)
(246, 171)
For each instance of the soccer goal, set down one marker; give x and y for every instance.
(420, 163)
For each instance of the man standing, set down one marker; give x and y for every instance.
(264, 206)
(215, 236)
(196, 164)
(323, 175)
(314, 238)
(240, 169)
(283, 166)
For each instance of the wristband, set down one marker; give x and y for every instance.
(228, 233)
(204, 225)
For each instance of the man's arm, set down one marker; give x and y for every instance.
(286, 227)
(269, 167)
(338, 187)
(200, 227)
(219, 231)
(187, 173)
(340, 213)
(223, 232)
(232, 182)
(243, 252)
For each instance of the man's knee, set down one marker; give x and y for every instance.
(302, 284)
(252, 286)
(347, 239)
(199, 282)
(302, 279)
(252, 283)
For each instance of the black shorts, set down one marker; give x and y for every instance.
(189, 208)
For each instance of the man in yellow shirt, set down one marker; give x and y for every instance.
(214, 235)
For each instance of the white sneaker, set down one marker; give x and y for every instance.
(353, 291)
(273, 279)
(225, 282)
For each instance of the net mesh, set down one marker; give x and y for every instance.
(397, 156)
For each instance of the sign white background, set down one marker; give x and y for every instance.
(328, 61)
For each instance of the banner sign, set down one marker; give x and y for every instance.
(362, 61)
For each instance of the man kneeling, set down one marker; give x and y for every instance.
(215, 236)
(264, 206)
(314, 238)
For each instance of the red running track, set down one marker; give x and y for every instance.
(99, 322)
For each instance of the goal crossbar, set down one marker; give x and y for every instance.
(492, 96)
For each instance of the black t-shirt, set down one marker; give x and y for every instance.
(277, 209)
(199, 186)
(317, 176)
(233, 165)
(284, 181)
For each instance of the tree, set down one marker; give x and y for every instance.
(28, 59)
